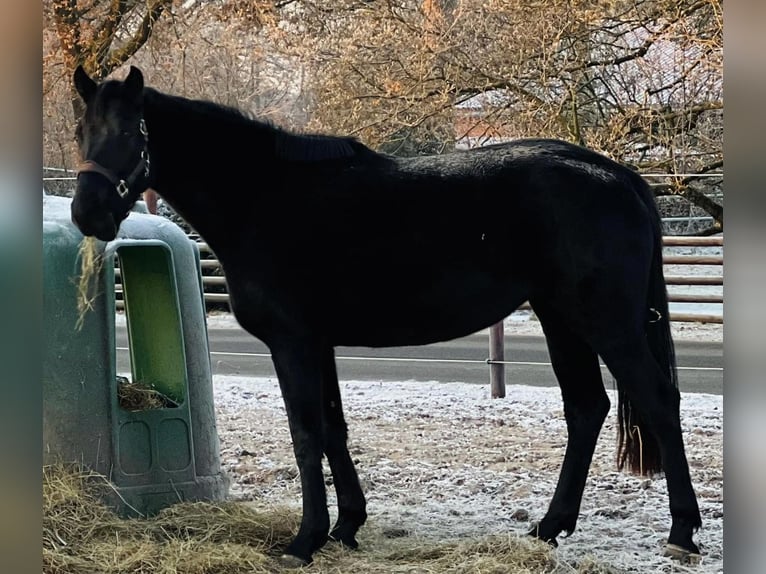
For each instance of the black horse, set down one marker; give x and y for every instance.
(325, 242)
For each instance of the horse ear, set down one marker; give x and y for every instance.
(84, 85)
(135, 81)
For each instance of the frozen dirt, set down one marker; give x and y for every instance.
(440, 461)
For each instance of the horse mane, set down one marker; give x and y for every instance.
(316, 147)
(289, 146)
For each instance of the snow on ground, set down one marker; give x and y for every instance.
(444, 460)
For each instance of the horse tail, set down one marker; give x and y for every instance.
(636, 446)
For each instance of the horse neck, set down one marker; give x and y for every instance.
(195, 159)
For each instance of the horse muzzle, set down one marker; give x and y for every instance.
(103, 227)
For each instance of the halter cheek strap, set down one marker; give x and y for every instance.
(125, 187)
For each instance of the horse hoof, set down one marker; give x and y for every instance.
(681, 554)
(348, 541)
(535, 533)
(290, 561)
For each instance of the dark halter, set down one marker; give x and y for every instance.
(125, 187)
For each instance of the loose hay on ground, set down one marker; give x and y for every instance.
(510, 554)
(81, 535)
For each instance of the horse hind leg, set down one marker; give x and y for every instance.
(352, 512)
(651, 403)
(586, 405)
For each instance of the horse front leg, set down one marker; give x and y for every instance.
(351, 503)
(299, 366)
(586, 405)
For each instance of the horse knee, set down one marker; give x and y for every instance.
(588, 415)
(601, 407)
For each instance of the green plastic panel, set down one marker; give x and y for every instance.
(156, 340)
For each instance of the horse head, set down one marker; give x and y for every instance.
(113, 144)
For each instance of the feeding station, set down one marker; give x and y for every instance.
(154, 456)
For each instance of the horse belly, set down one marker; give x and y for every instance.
(405, 314)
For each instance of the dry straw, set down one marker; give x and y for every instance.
(87, 286)
(82, 536)
(137, 396)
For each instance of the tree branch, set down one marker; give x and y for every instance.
(641, 51)
(117, 8)
(66, 16)
(121, 55)
(105, 36)
(718, 164)
(695, 197)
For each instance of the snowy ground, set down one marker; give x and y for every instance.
(443, 460)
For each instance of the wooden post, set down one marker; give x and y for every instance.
(497, 353)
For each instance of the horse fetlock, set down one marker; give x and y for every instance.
(356, 517)
(553, 525)
(540, 532)
(345, 534)
(686, 518)
(346, 527)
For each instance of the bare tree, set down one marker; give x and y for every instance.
(212, 49)
(639, 80)
(101, 35)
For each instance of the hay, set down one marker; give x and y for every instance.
(136, 396)
(90, 266)
(493, 555)
(82, 536)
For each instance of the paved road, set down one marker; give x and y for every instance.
(235, 352)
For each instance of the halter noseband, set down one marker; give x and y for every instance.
(123, 185)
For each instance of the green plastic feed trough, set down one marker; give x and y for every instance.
(158, 453)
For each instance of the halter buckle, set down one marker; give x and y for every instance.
(122, 188)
